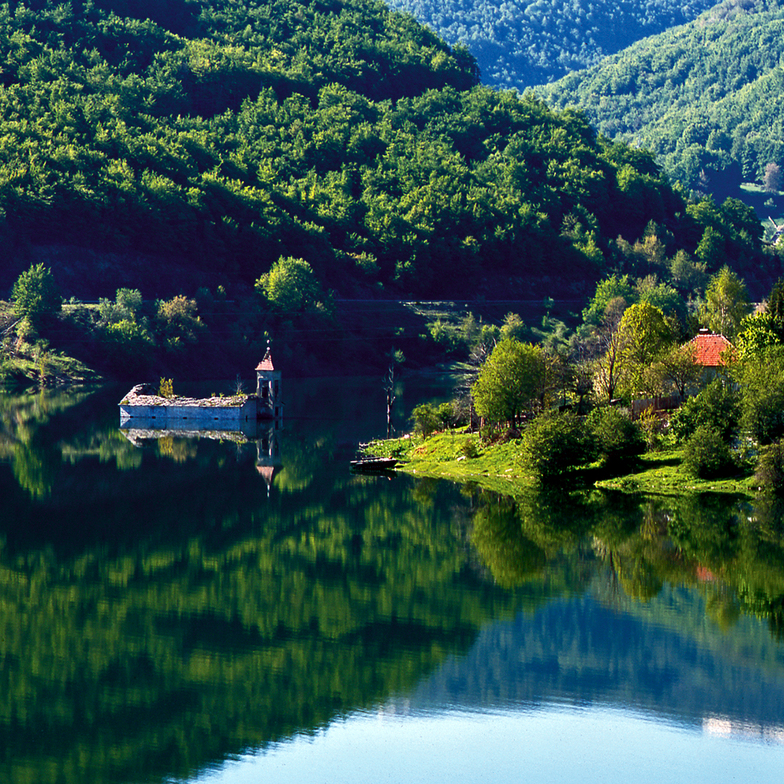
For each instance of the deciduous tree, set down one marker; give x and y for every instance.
(611, 289)
(761, 380)
(609, 371)
(291, 286)
(555, 443)
(645, 336)
(757, 333)
(773, 177)
(511, 381)
(676, 366)
(726, 303)
(35, 294)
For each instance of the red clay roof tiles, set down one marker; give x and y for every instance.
(708, 348)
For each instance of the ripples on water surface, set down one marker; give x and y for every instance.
(233, 610)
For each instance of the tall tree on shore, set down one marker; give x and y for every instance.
(511, 381)
(35, 294)
(609, 371)
(646, 336)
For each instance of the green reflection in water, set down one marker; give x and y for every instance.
(22, 441)
(656, 607)
(160, 610)
(155, 620)
(732, 553)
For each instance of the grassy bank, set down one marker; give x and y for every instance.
(460, 456)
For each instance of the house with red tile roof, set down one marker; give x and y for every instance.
(710, 352)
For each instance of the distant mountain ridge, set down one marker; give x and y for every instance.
(705, 97)
(522, 43)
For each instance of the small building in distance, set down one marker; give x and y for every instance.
(710, 352)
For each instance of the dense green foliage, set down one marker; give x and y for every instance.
(290, 287)
(757, 332)
(526, 42)
(770, 469)
(617, 437)
(555, 443)
(644, 337)
(217, 139)
(761, 379)
(704, 96)
(315, 152)
(35, 294)
(707, 454)
(426, 420)
(511, 382)
(716, 407)
(187, 133)
(726, 304)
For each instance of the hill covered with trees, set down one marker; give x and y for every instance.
(522, 43)
(705, 97)
(220, 138)
(261, 157)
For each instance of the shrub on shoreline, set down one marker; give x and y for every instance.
(770, 469)
(555, 443)
(707, 455)
(617, 437)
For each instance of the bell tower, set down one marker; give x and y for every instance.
(268, 388)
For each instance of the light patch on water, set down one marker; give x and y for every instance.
(728, 728)
(549, 744)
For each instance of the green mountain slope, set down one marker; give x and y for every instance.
(706, 97)
(175, 146)
(521, 43)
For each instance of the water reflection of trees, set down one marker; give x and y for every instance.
(732, 552)
(163, 657)
(39, 430)
(153, 621)
(22, 437)
(157, 620)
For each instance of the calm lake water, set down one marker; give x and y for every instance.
(234, 610)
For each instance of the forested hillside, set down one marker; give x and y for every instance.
(521, 43)
(221, 137)
(706, 97)
(123, 124)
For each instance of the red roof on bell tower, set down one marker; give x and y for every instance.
(266, 363)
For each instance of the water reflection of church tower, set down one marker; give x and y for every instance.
(268, 388)
(268, 451)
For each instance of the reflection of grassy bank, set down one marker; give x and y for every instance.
(497, 467)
